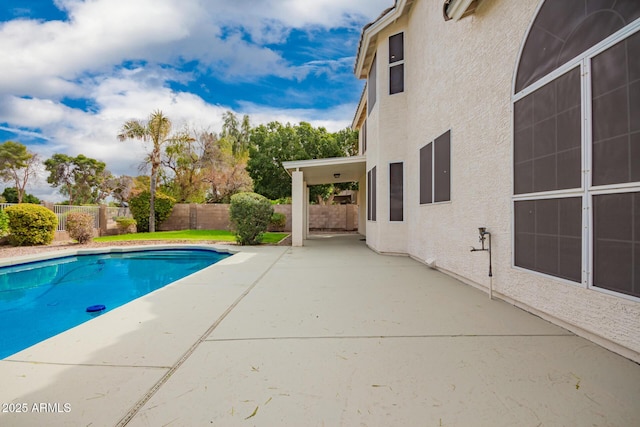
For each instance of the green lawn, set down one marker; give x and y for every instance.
(216, 235)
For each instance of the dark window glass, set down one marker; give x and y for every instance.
(616, 113)
(547, 139)
(371, 87)
(616, 242)
(396, 192)
(426, 174)
(548, 236)
(396, 48)
(369, 196)
(442, 167)
(553, 42)
(396, 79)
(364, 137)
(373, 194)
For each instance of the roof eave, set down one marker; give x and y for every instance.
(370, 32)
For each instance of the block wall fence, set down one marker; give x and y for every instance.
(216, 217)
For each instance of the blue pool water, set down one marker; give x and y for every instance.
(41, 299)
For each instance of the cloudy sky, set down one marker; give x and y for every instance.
(75, 70)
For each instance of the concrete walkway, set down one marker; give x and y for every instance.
(330, 334)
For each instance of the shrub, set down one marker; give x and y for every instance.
(126, 225)
(250, 214)
(139, 206)
(31, 225)
(278, 221)
(80, 226)
(4, 224)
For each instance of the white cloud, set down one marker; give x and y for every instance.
(47, 57)
(83, 57)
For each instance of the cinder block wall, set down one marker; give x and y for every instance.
(216, 217)
(333, 217)
(179, 219)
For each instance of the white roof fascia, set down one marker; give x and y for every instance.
(323, 162)
(457, 8)
(359, 110)
(375, 28)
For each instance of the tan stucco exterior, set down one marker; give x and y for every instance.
(459, 77)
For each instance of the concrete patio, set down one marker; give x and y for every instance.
(329, 334)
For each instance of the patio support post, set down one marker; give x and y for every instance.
(306, 210)
(297, 209)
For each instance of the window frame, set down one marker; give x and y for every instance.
(433, 171)
(372, 194)
(363, 139)
(402, 192)
(397, 63)
(587, 190)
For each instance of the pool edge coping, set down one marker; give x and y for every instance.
(46, 256)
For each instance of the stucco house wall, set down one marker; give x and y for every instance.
(459, 77)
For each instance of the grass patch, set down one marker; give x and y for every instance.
(215, 235)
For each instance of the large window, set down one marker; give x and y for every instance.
(435, 170)
(371, 194)
(396, 191)
(577, 145)
(396, 63)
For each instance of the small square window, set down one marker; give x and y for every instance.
(396, 48)
(396, 79)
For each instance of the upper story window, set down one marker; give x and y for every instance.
(564, 30)
(577, 145)
(363, 136)
(396, 63)
(371, 86)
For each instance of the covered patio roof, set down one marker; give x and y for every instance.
(313, 172)
(328, 171)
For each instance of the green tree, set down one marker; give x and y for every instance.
(237, 132)
(157, 130)
(272, 144)
(140, 205)
(17, 165)
(89, 175)
(79, 178)
(10, 195)
(122, 187)
(224, 172)
(185, 160)
(275, 143)
(60, 168)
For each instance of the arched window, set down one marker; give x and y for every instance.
(577, 144)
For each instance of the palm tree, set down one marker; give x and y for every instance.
(156, 129)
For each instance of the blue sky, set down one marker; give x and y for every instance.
(75, 70)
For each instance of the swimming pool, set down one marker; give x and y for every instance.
(41, 299)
